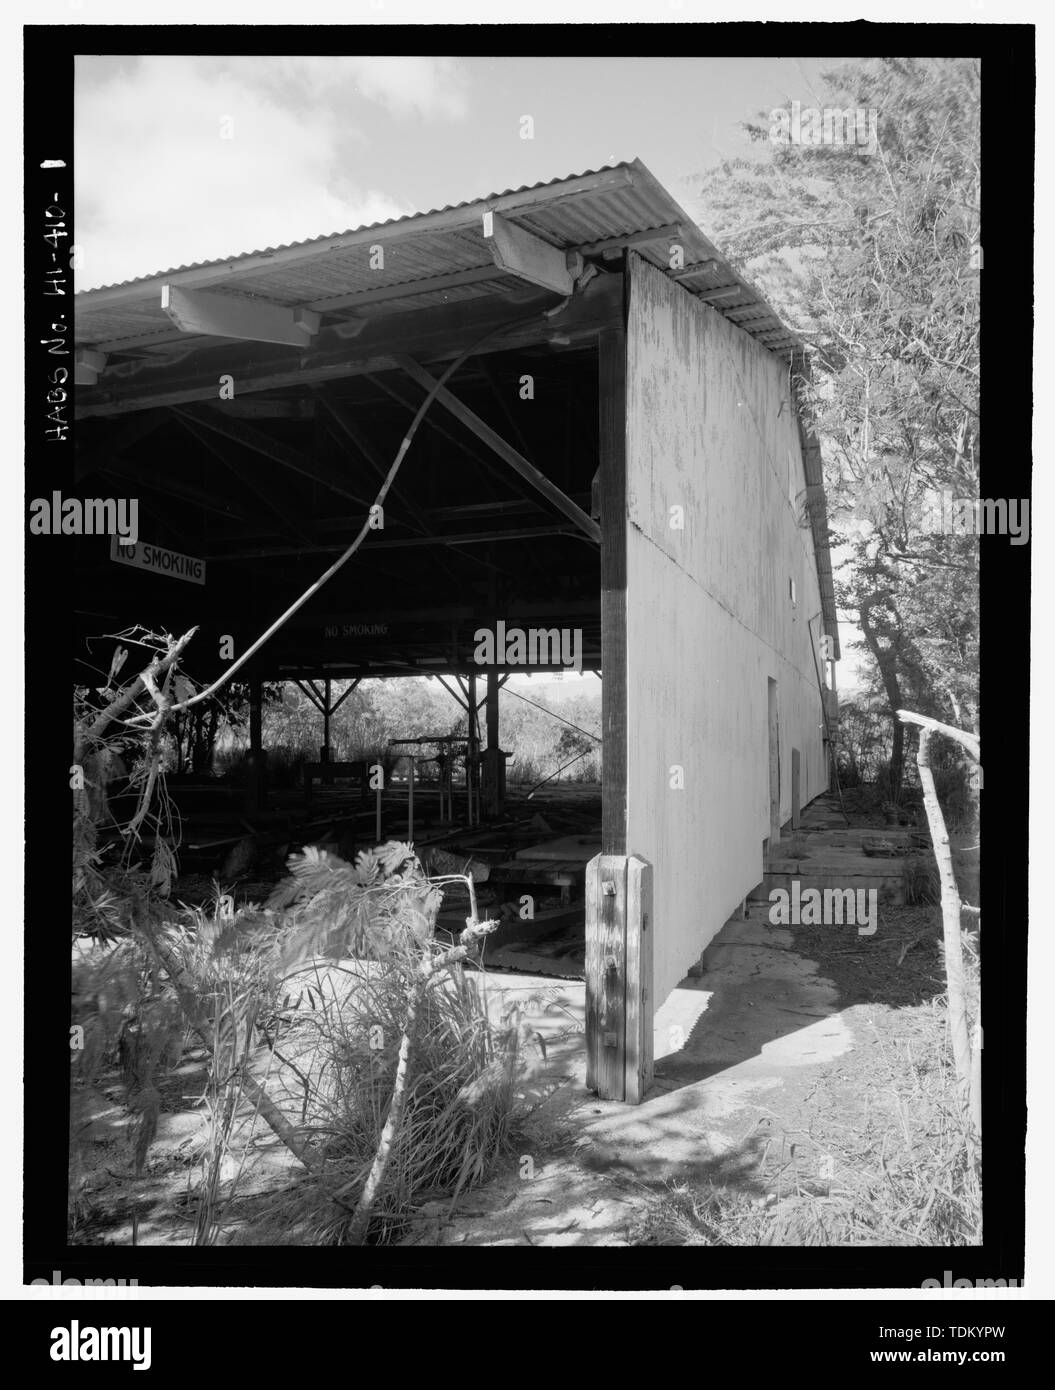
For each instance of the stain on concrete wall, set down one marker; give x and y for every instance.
(710, 617)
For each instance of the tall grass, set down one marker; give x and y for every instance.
(338, 1059)
(325, 978)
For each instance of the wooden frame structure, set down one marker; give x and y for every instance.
(256, 417)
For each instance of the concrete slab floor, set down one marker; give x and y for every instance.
(725, 1043)
(735, 1048)
(823, 852)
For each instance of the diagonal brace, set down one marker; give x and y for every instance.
(505, 451)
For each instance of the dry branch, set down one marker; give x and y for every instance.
(158, 667)
(968, 741)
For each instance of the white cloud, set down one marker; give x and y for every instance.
(407, 87)
(426, 87)
(158, 185)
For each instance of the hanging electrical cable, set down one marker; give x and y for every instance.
(596, 738)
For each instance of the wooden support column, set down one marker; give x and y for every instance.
(516, 460)
(492, 709)
(326, 711)
(493, 775)
(257, 789)
(619, 1001)
(639, 1065)
(612, 443)
(473, 752)
(618, 997)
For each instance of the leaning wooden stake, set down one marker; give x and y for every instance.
(967, 1073)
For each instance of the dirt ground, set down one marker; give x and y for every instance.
(800, 1098)
(746, 1120)
(756, 1131)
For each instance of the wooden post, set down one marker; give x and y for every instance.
(612, 449)
(951, 929)
(493, 763)
(491, 709)
(606, 875)
(257, 790)
(619, 998)
(474, 749)
(410, 799)
(326, 721)
(606, 975)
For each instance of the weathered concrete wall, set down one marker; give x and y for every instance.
(710, 429)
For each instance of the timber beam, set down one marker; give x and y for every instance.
(205, 313)
(249, 479)
(432, 334)
(274, 449)
(524, 533)
(154, 480)
(521, 253)
(130, 433)
(504, 450)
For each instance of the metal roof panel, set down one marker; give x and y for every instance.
(570, 212)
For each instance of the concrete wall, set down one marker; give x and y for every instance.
(710, 428)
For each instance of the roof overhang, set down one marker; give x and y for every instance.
(551, 237)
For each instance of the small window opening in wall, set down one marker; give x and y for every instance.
(791, 591)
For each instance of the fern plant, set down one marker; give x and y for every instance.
(380, 907)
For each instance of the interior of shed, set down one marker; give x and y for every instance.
(268, 488)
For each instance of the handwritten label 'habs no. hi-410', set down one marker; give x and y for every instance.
(145, 556)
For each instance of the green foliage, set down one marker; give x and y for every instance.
(461, 1090)
(413, 707)
(922, 885)
(863, 742)
(381, 906)
(873, 258)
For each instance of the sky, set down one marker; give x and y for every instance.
(189, 158)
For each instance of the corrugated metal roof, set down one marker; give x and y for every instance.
(371, 226)
(440, 257)
(332, 274)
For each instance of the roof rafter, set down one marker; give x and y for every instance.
(288, 524)
(269, 447)
(504, 450)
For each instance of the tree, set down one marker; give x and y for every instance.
(874, 259)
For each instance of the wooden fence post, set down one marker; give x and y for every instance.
(968, 1067)
(619, 1003)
